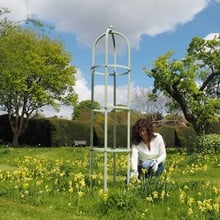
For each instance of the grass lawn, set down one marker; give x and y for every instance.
(53, 183)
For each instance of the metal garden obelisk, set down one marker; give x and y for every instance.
(107, 70)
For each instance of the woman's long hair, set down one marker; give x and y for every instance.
(142, 123)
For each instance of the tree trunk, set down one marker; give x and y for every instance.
(15, 142)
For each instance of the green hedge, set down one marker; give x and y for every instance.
(168, 133)
(5, 130)
(37, 133)
(55, 132)
(64, 132)
(98, 139)
(121, 135)
(183, 136)
(61, 132)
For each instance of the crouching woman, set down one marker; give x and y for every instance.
(148, 149)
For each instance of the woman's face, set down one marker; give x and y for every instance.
(143, 133)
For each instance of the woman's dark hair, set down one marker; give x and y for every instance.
(142, 123)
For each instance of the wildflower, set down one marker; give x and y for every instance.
(216, 207)
(149, 199)
(207, 204)
(168, 194)
(163, 193)
(171, 169)
(182, 196)
(143, 216)
(39, 182)
(186, 187)
(190, 211)
(155, 195)
(80, 193)
(56, 181)
(215, 190)
(94, 177)
(82, 183)
(190, 201)
(62, 174)
(103, 195)
(144, 171)
(70, 190)
(25, 185)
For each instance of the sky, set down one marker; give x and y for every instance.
(152, 28)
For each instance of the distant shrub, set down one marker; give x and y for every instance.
(120, 135)
(64, 132)
(205, 144)
(98, 138)
(54, 132)
(37, 133)
(168, 133)
(5, 129)
(183, 136)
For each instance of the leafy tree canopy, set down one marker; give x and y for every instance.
(192, 82)
(84, 108)
(35, 71)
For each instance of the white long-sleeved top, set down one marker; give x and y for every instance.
(141, 152)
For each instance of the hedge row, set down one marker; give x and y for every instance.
(55, 132)
(52, 132)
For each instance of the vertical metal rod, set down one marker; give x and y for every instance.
(106, 110)
(92, 116)
(129, 113)
(114, 104)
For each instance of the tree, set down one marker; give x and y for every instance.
(84, 109)
(192, 82)
(144, 102)
(34, 72)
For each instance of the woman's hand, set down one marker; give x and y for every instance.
(154, 166)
